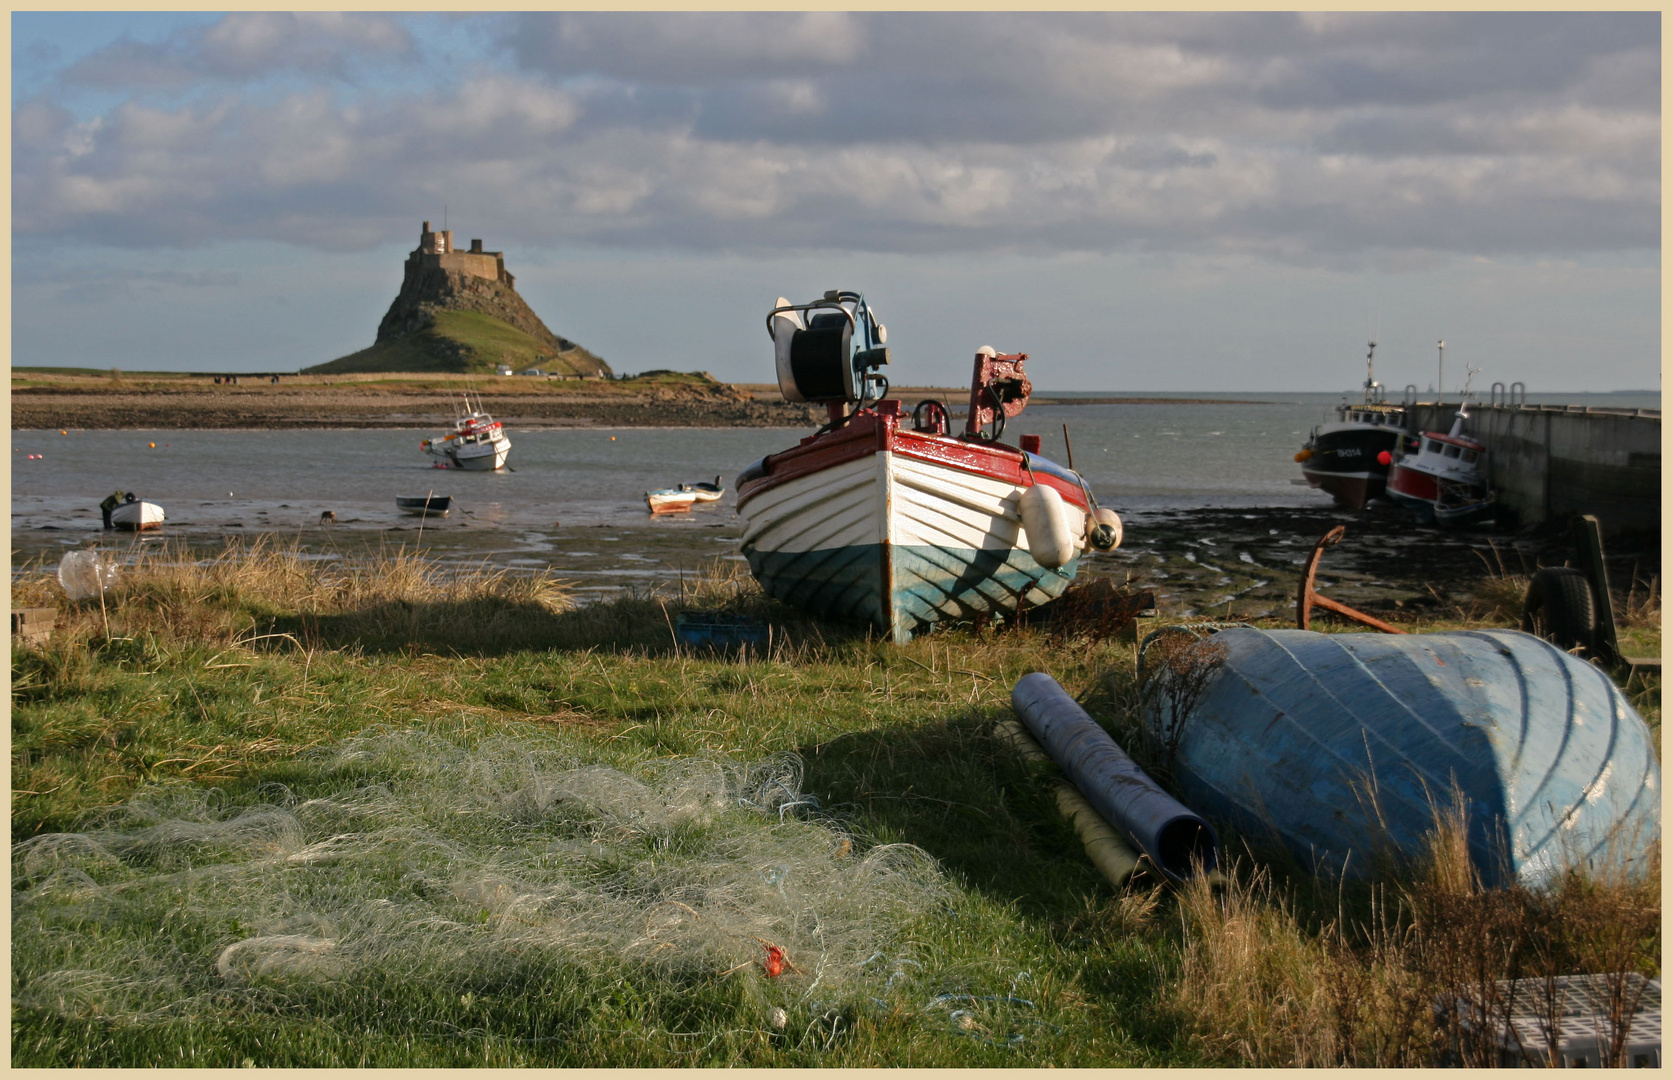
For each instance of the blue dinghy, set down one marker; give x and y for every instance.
(1334, 744)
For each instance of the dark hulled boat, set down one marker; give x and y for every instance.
(1344, 459)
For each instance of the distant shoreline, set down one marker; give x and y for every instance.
(61, 400)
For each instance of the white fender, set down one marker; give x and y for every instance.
(1108, 517)
(1049, 539)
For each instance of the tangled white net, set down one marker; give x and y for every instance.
(439, 863)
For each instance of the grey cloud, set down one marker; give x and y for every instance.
(1300, 137)
(245, 46)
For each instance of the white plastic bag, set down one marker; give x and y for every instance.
(83, 574)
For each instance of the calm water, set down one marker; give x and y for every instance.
(1139, 458)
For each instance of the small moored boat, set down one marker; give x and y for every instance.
(135, 515)
(1345, 747)
(424, 505)
(673, 500)
(708, 492)
(887, 517)
(477, 443)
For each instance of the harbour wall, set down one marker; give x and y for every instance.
(1548, 461)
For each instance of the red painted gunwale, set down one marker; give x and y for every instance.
(871, 432)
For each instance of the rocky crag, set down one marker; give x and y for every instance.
(459, 311)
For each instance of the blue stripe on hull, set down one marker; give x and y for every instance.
(930, 584)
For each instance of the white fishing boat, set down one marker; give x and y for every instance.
(477, 443)
(889, 518)
(136, 515)
(708, 492)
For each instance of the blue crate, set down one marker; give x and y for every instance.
(719, 630)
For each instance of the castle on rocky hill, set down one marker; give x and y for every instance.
(460, 311)
(436, 249)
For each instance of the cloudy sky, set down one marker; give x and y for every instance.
(1139, 201)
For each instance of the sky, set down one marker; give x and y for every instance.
(1168, 201)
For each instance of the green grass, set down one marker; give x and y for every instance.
(253, 670)
(461, 342)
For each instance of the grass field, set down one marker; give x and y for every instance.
(379, 815)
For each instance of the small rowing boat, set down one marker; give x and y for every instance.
(136, 515)
(674, 500)
(424, 505)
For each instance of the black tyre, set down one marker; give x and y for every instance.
(1560, 609)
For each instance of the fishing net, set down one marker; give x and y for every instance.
(437, 864)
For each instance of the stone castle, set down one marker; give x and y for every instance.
(435, 249)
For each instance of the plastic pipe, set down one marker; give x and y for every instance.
(1177, 840)
(1109, 851)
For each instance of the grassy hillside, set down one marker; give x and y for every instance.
(462, 342)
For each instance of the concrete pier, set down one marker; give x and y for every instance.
(1548, 461)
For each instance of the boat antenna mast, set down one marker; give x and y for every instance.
(1440, 370)
(1373, 389)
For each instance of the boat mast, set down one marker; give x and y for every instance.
(1371, 386)
(1440, 373)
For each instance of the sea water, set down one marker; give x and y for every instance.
(1139, 458)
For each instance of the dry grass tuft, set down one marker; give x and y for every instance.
(1403, 974)
(257, 588)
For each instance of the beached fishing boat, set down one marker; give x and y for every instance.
(1442, 478)
(708, 492)
(136, 515)
(1343, 747)
(477, 443)
(424, 505)
(886, 517)
(1346, 459)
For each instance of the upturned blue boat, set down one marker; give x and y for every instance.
(1343, 747)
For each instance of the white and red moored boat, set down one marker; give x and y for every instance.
(477, 442)
(1443, 478)
(885, 516)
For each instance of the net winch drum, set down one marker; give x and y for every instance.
(816, 358)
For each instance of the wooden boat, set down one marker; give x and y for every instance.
(1342, 747)
(675, 500)
(136, 515)
(424, 505)
(888, 518)
(1348, 459)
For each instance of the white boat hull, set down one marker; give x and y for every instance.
(475, 457)
(137, 516)
(901, 542)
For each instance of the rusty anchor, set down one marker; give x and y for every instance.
(1306, 597)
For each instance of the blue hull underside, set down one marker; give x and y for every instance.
(929, 585)
(1339, 743)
